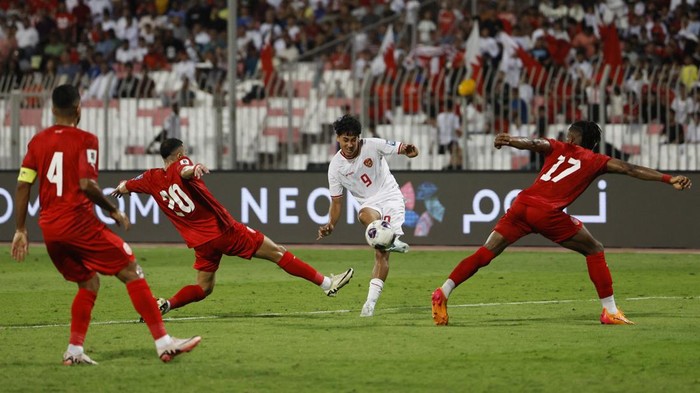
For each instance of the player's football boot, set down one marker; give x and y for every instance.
(619, 318)
(398, 246)
(71, 360)
(177, 347)
(163, 306)
(367, 310)
(439, 307)
(337, 281)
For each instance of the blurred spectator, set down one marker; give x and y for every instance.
(147, 87)
(124, 54)
(172, 128)
(426, 27)
(449, 132)
(103, 85)
(184, 96)
(692, 134)
(682, 105)
(67, 68)
(98, 9)
(674, 131)
(27, 37)
(185, 67)
(127, 86)
(108, 44)
(689, 73)
(8, 44)
(65, 23)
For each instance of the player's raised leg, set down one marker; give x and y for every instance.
(296, 267)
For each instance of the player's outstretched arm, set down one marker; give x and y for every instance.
(120, 190)
(195, 171)
(641, 172)
(539, 145)
(94, 193)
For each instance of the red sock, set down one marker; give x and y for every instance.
(471, 264)
(81, 312)
(188, 294)
(299, 268)
(145, 305)
(600, 274)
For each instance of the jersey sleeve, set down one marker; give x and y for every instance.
(88, 158)
(27, 172)
(334, 186)
(385, 147)
(183, 164)
(140, 183)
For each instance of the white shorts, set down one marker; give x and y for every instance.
(391, 207)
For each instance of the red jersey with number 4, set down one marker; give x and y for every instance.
(567, 171)
(187, 203)
(61, 156)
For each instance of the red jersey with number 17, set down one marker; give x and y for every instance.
(187, 203)
(61, 156)
(567, 171)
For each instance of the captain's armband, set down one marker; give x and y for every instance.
(27, 175)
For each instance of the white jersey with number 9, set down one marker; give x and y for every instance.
(365, 175)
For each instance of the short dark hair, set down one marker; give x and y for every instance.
(169, 146)
(65, 97)
(347, 124)
(590, 133)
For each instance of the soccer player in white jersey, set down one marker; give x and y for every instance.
(360, 167)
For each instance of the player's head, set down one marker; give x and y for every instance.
(347, 130)
(66, 103)
(171, 146)
(347, 125)
(585, 134)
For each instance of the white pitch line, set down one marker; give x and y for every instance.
(262, 315)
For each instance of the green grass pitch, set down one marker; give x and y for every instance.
(526, 323)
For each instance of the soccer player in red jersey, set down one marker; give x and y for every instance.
(64, 159)
(209, 228)
(569, 168)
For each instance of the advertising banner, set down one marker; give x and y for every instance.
(442, 208)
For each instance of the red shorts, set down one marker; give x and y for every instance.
(522, 219)
(239, 240)
(81, 255)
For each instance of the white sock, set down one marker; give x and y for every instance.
(164, 342)
(326, 284)
(447, 287)
(609, 304)
(75, 349)
(375, 289)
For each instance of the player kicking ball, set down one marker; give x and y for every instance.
(360, 167)
(569, 168)
(209, 228)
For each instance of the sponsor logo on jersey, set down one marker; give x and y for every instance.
(368, 163)
(391, 143)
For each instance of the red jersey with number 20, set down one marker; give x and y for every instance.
(187, 203)
(61, 156)
(567, 171)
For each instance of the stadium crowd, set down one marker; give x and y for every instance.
(45, 42)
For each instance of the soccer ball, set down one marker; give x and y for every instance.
(379, 234)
